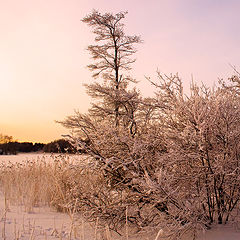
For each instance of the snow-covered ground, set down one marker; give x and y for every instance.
(46, 224)
(20, 157)
(222, 233)
(40, 224)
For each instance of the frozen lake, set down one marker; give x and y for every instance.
(46, 157)
(22, 157)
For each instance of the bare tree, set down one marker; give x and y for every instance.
(112, 57)
(112, 54)
(5, 139)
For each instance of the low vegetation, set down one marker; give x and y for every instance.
(66, 185)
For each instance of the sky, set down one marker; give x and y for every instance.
(43, 55)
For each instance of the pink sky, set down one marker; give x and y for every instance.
(43, 58)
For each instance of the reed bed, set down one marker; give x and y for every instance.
(76, 187)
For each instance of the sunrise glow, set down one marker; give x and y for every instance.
(43, 55)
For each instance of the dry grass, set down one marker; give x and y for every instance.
(29, 183)
(74, 188)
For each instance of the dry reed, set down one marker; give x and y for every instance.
(69, 187)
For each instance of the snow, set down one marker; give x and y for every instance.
(222, 232)
(41, 223)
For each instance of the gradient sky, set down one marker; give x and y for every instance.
(43, 53)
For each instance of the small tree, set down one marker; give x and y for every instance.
(5, 139)
(7, 145)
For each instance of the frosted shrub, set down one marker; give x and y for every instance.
(180, 169)
(171, 161)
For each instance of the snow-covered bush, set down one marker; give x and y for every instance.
(180, 169)
(174, 157)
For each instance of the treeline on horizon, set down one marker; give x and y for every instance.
(8, 146)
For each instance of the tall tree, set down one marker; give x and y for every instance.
(112, 56)
(113, 103)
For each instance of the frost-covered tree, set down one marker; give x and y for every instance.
(112, 55)
(170, 161)
(183, 166)
(181, 170)
(113, 102)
